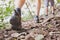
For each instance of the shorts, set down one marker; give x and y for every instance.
(46, 2)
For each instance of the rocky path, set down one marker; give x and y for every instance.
(47, 29)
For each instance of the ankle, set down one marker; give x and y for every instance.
(17, 11)
(37, 16)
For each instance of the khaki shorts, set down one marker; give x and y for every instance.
(46, 2)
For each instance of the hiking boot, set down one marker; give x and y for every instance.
(37, 19)
(15, 21)
(46, 14)
(53, 13)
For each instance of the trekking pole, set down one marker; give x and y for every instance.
(29, 8)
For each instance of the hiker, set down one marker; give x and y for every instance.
(15, 21)
(21, 3)
(46, 2)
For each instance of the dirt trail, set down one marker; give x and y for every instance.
(47, 29)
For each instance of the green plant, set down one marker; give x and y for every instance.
(58, 1)
(6, 8)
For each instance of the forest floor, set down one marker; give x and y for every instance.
(47, 29)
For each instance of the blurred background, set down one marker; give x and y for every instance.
(28, 11)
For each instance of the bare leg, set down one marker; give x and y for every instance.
(47, 11)
(52, 6)
(21, 3)
(38, 10)
(46, 5)
(52, 9)
(38, 7)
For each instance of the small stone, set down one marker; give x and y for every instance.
(15, 35)
(22, 37)
(5, 36)
(39, 37)
(51, 33)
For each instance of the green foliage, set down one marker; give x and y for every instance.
(6, 8)
(58, 1)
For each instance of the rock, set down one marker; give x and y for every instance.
(15, 35)
(9, 38)
(50, 33)
(1, 36)
(6, 36)
(23, 33)
(39, 37)
(58, 38)
(22, 37)
(11, 32)
(30, 38)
